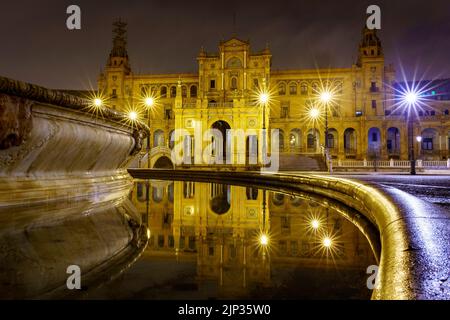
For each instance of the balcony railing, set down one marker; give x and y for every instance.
(228, 104)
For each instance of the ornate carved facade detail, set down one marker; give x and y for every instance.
(15, 121)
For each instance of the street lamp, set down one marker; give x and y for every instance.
(410, 99)
(98, 102)
(326, 97)
(264, 99)
(149, 102)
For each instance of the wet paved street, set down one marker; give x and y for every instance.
(431, 188)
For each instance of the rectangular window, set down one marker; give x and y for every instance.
(212, 84)
(285, 224)
(374, 137)
(160, 241)
(192, 243)
(255, 83)
(427, 144)
(171, 241)
(114, 93)
(373, 87)
(284, 112)
(182, 242)
(374, 104)
(211, 251)
(294, 248)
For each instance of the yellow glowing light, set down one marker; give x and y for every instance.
(149, 101)
(327, 242)
(98, 102)
(314, 113)
(315, 224)
(264, 239)
(326, 97)
(264, 98)
(132, 115)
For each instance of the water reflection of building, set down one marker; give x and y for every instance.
(218, 225)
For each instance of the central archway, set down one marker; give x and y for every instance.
(219, 148)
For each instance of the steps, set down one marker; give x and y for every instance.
(302, 162)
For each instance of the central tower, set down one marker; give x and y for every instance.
(228, 82)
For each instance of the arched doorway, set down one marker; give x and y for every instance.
(374, 143)
(312, 140)
(220, 148)
(295, 140)
(220, 201)
(281, 140)
(332, 141)
(350, 142)
(163, 163)
(393, 142)
(158, 138)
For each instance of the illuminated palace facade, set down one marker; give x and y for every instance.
(363, 121)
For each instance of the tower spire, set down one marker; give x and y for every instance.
(119, 54)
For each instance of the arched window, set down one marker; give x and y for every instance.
(163, 92)
(281, 89)
(292, 89)
(158, 194)
(304, 89)
(193, 91)
(173, 92)
(183, 91)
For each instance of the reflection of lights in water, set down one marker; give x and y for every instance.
(264, 239)
(315, 224)
(327, 242)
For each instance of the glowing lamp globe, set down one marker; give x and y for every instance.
(411, 98)
(325, 97)
(98, 102)
(314, 113)
(149, 101)
(133, 115)
(264, 98)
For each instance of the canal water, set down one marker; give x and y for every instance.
(216, 241)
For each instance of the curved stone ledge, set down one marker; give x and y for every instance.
(63, 190)
(414, 235)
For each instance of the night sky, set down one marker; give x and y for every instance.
(166, 36)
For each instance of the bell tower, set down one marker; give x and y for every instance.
(112, 83)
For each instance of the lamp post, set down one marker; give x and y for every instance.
(264, 98)
(148, 102)
(326, 97)
(410, 99)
